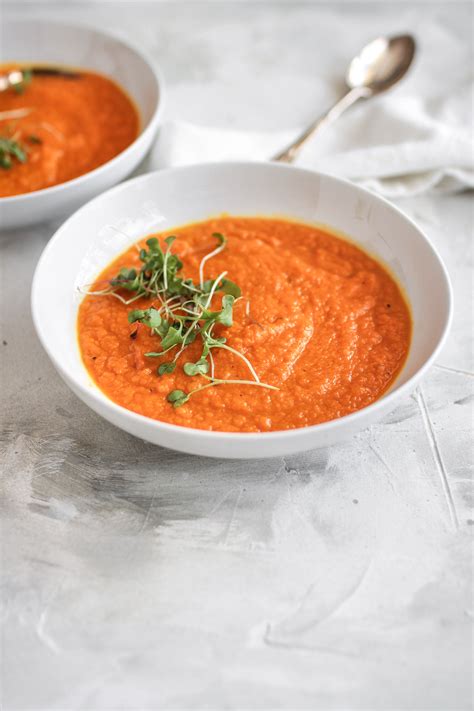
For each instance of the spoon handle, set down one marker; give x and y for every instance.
(289, 154)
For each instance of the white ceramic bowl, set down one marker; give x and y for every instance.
(160, 201)
(74, 45)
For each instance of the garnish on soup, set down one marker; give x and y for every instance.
(11, 151)
(319, 326)
(182, 313)
(53, 129)
(20, 87)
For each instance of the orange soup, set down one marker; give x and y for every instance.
(314, 327)
(56, 128)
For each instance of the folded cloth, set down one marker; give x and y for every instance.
(397, 146)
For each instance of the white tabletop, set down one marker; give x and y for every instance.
(140, 578)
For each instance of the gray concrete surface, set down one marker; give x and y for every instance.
(139, 578)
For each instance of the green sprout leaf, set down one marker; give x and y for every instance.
(214, 342)
(177, 397)
(21, 86)
(126, 279)
(149, 317)
(153, 244)
(207, 286)
(9, 150)
(153, 318)
(225, 316)
(228, 287)
(172, 338)
(136, 315)
(199, 368)
(166, 368)
(220, 237)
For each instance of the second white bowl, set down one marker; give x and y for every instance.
(39, 42)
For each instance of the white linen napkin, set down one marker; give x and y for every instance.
(397, 146)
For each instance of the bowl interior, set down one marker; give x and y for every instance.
(50, 42)
(166, 199)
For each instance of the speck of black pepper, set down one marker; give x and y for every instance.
(5, 343)
(389, 306)
(94, 357)
(355, 501)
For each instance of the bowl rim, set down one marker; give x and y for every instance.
(383, 403)
(143, 135)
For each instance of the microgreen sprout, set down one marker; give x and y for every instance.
(185, 313)
(11, 150)
(27, 76)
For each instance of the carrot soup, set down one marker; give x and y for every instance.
(55, 127)
(244, 324)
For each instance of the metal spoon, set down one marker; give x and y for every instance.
(379, 66)
(17, 76)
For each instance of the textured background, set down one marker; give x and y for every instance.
(138, 578)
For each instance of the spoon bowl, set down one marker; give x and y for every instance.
(381, 63)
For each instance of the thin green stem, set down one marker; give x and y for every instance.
(205, 259)
(240, 355)
(219, 381)
(213, 289)
(14, 114)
